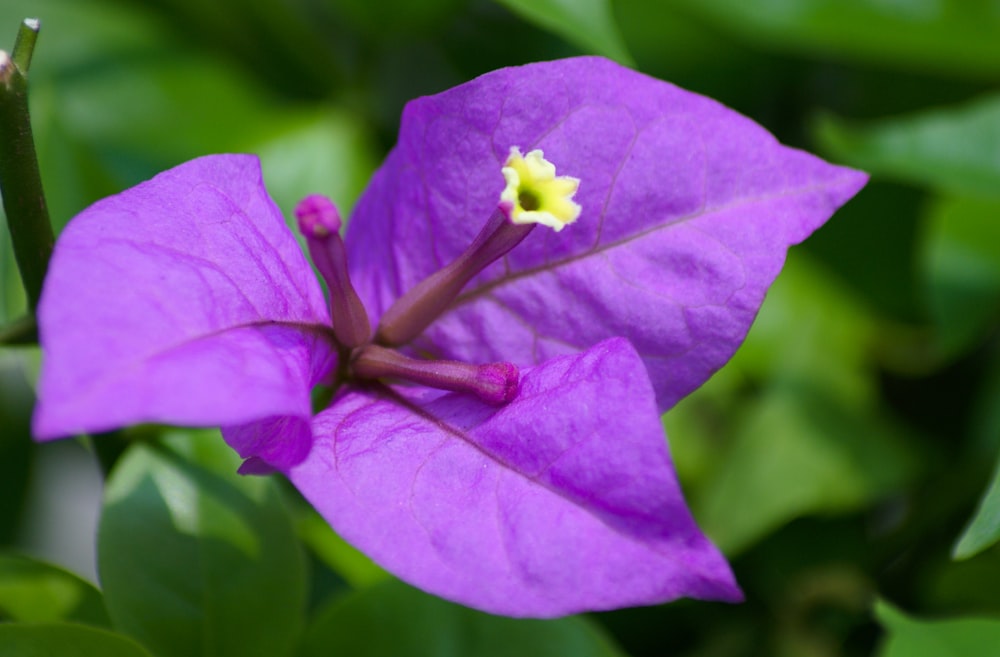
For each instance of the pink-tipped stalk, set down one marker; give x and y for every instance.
(319, 222)
(494, 383)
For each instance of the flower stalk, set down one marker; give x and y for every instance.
(493, 383)
(423, 303)
(319, 221)
(20, 181)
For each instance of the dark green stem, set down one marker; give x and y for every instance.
(20, 181)
(24, 45)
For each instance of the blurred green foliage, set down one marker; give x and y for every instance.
(36, 592)
(193, 556)
(844, 454)
(65, 640)
(586, 23)
(391, 618)
(908, 637)
(943, 36)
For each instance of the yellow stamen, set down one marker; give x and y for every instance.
(534, 194)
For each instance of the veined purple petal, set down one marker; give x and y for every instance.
(688, 209)
(564, 500)
(184, 300)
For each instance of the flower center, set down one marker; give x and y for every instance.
(533, 195)
(528, 200)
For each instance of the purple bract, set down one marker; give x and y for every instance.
(186, 300)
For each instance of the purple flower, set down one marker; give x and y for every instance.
(186, 300)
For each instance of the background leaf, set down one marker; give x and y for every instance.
(954, 148)
(425, 626)
(802, 437)
(393, 19)
(32, 591)
(588, 24)
(909, 637)
(961, 267)
(339, 555)
(196, 560)
(957, 36)
(984, 529)
(64, 640)
(827, 458)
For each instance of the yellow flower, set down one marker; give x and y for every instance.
(535, 194)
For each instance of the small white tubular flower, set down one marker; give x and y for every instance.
(535, 194)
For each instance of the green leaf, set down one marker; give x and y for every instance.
(148, 94)
(966, 586)
(588, 24)
(64, 640)
(672, 45)
(810, 329)
(392, 618)
(196, 560)
(287, 42)
(33, 591)
(870, 245)
(983, 530)
(954, 148)
(78, 40)
(76, 34)
(325, 151)
(961, 269)
(963, 637)
(99, 115)
(396, 19)
(790, 423)
(944, 35)
(796, 453)
(357, 569)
